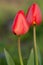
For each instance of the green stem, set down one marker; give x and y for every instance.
(19, 51)
(35, 47)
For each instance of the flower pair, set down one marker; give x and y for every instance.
(22, 22)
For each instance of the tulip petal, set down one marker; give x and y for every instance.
(20, 25)
(34, 15)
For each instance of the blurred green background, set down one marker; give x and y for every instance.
(8, 10)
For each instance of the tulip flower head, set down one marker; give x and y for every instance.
(33, 15)
(20, 26)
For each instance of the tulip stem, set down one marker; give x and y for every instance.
(19, 51)
(35, 47)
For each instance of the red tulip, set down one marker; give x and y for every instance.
(33, 15)
(20, 26)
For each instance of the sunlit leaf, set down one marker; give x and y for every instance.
(31, 58)
(8, 58)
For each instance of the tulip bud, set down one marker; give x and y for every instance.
(33, 15)
(20, 26)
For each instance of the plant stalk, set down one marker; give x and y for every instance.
(19, 51)
(35, 47)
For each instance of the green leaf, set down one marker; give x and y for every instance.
(31, 58)
(8, 58)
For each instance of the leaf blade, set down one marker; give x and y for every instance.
(31, 58)
(8, 58)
